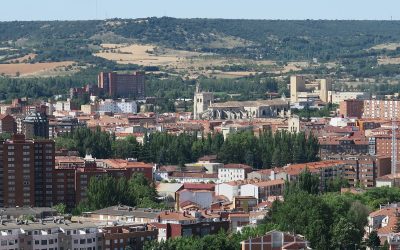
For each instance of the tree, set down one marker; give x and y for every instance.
(373, 240)
(306, 182)
(60, 208)
(345, 235)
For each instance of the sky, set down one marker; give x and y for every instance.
(11, 10)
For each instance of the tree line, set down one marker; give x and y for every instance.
(265, 151)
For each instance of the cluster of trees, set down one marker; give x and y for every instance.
(109, 191)
(264, 151)
(311, 112)
(269, 149)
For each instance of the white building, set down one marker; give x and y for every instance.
(262, 190)
(63, 105)
(229, 189)
(123, 106)
(233, 172)
(337, 97)
(203, 198)
(49, 235)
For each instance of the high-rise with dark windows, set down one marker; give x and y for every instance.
(122, 85)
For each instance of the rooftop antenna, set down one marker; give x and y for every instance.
(394, 139)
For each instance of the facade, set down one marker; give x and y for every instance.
(337, 97)
(262, 190)
(7, 124)
(383, 109)
(122, 85)
(302, 89)
(63, 106)
(343, 145)
(233, 172)
(325, 170)
(390, 180)
(129, 236)
(116, 107)
(50, 235)
(363, 169)
(34, 125)
(248, 109)
(27, 168)
(297, 84)
(191, 223)
(351, 108)
(63, 125)
(201, 102)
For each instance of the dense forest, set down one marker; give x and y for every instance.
(265, 151)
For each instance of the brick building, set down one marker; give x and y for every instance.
(133, 236)
(363, 169)
(7, 124)
(26, 169)
(384, 109)
(192, 223)
(72, 175)
(351, 108)
(122, 85)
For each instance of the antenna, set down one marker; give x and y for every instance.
(394, 138)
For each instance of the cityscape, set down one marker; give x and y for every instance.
(206, 129)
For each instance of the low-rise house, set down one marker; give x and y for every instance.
(184, 177)
(390, 180)
(201, 198)
(121, 213)
(384, 221)
(263, 175)
(13, 213)
(167, 192)
(238, 221)
(244, 203)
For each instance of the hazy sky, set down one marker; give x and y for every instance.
(249, 9)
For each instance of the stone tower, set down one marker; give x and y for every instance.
(201, 101)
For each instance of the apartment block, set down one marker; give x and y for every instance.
(128, 236)
(351, 108)
(26, 169)
(123, 106)
(57, 234)
(122, 85)
(383, 109)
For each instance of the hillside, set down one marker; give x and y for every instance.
(201, 47)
